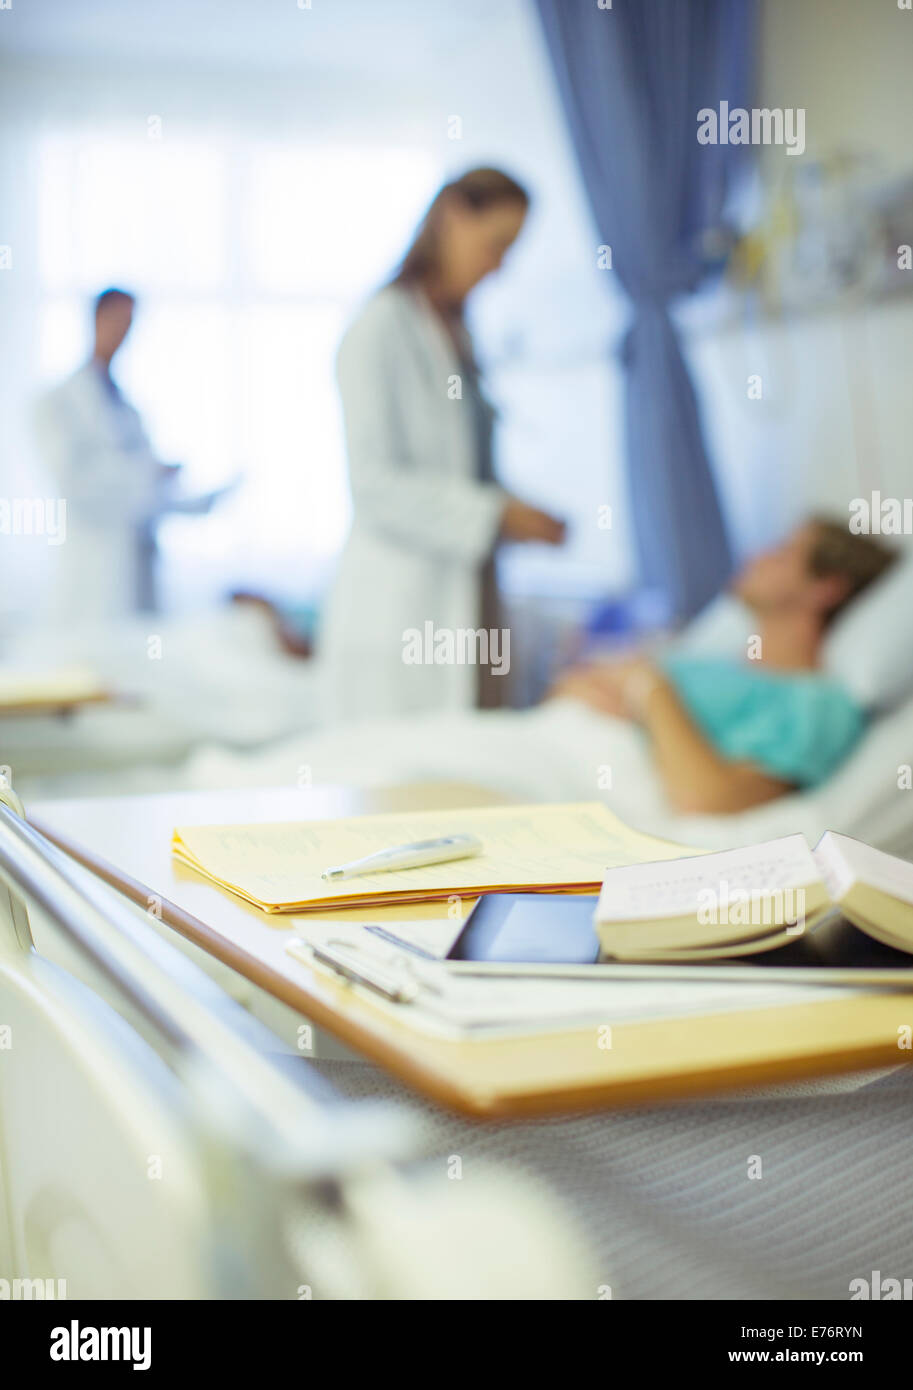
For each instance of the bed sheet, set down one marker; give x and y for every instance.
(559, 751)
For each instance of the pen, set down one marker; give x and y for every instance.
(373, 975)
(398, 941)
(409, 856)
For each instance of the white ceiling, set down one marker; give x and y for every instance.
(380, 37)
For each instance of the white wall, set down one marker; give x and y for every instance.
(836, 418)
(850, 64)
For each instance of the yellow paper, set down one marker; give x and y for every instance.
(278, 867)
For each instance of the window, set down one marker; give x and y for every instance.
(248, 257)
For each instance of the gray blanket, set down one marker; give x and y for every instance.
(667, 1200)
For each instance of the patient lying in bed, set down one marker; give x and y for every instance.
(678, 745)
(726, 735)
(675, 734)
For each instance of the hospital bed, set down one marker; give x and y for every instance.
(563, 751)
(556, 752)
(215, 674)
(664, 1193)
(152, 1147)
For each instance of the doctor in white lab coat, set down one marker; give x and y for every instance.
(99, 459)
(418, 565)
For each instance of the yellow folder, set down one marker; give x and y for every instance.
(62, 685)
(539, 848)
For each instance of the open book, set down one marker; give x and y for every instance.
(744, 901)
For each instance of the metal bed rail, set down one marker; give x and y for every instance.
(271, 1140)
(284, 1154)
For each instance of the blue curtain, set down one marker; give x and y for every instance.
(632, 80)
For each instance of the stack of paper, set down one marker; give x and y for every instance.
(278, 867)
(479, 1006)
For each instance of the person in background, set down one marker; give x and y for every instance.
(728, 734)
(292, 624)
(99, 457)
(427, 511)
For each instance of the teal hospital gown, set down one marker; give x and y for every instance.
(795, 725)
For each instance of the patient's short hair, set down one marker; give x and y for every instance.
(858, 559)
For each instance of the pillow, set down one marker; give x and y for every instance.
(870, 647)
(722, 628)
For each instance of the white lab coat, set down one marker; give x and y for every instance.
(99, 459)
(423, 524)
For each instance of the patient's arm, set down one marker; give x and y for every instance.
(697, 779)
(596, 684)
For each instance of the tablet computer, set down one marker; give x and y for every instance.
(540, 928)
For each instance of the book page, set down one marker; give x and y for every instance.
(843, 862)
(648, 892)
(280, 865)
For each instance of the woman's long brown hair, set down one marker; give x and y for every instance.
(479, 189)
